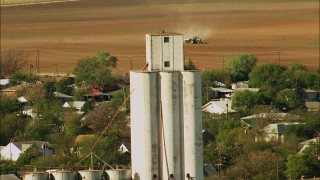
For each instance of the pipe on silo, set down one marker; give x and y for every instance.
(145, 100)
(171, 118)
(193, 156)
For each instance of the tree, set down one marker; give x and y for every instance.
(244, 102)
(12, 127)
(20, 76)
(258, 165)
(267, 74)
(298, 165)
(100, 117)
(8, 105)
(95, 70)
(65, 85)
(33, 93)
(287, 100)
(190, 65)
(29, 155)
(240, 66)
(12, 62)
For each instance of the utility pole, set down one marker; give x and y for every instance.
(30, 67)
(38, 61)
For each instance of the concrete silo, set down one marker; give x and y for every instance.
(166, 114)
(145, 107)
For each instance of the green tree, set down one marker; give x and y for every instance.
(9, 105)
(190, 65)
(267, 74)
(298, 165)
(244, 102)
(49, 89)
(35, 93)
(100, 116)
(259, 165)
(20, 76)
(65, 85)
(287, 100)
(95, 70)
(29, 155)
(12, 127)
(240, 66)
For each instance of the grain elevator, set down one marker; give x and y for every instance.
(166, 116)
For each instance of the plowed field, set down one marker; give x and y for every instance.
(282, 32)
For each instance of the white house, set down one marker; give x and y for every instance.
(13, 150)
(275, 132)
(125, 148)
(221, 92)
(218, 107)
(312, 106)
(74, 104)
(306, 144)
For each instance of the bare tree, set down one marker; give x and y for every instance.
(12, 61)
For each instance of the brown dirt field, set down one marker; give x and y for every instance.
(285, 31)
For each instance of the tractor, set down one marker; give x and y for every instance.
(194, 40)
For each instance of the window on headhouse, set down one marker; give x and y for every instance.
(166, 39)
(167, 64)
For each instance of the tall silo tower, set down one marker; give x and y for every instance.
(166, 113)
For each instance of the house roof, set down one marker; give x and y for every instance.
(127, 145)
(307, 143)
(4, 82)
(75, 104)
(22, 99)
(310, 91)
(61, 95)
(278, 128)
(221, 89)
(218, 106)
(273, 116)
(249, 89)
(39, 144)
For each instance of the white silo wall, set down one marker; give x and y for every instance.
(145, 107)
(36, 176)
(193, 157)
(170, 100)
(63, 175)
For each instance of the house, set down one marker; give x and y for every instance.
(74, 104)
(4, 83)
(313, 106)
(310, 95)
(305, 144)
(62, 97)
(275, 132)
(252, 120)
(249, 89)
(239, 84)
(99, 97)
(29, 111)
(218, 107)
(125, 148)
(13, 150)
(221, 92)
